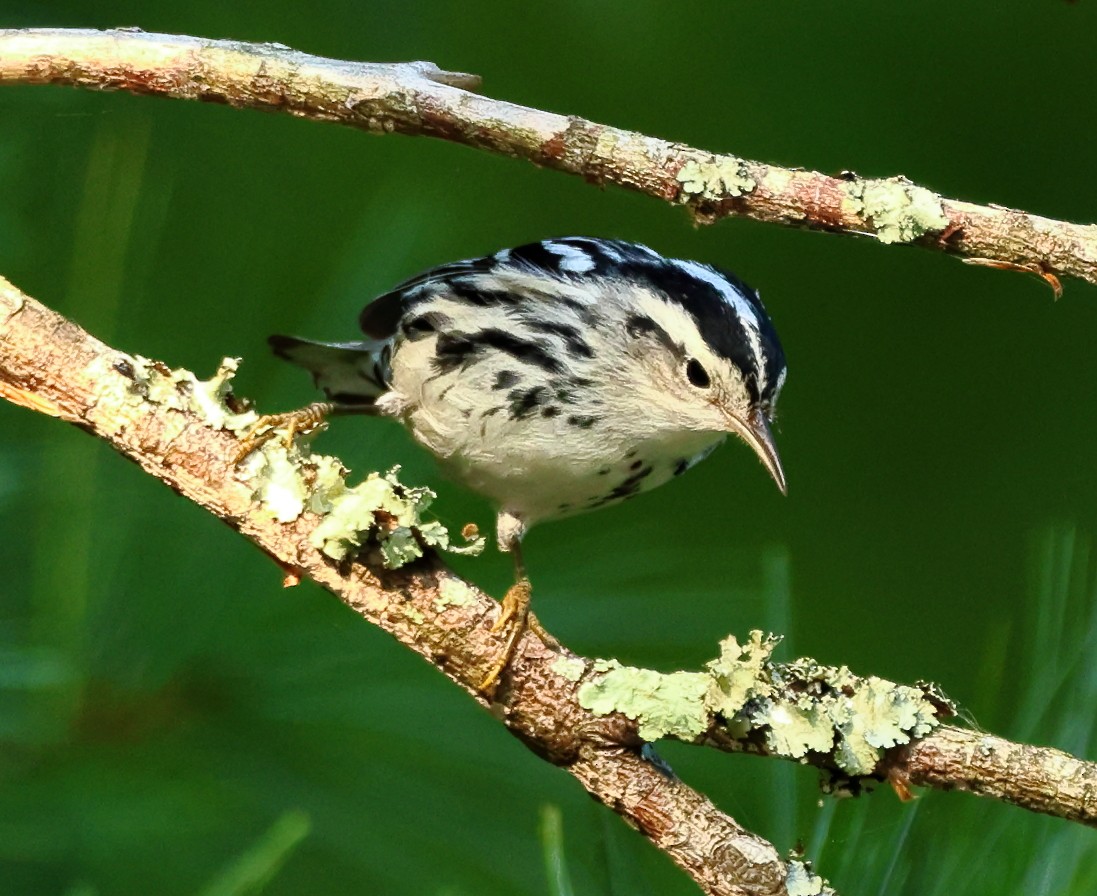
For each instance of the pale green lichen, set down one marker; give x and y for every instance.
(182, 390)
(399, 547)
(279, 486)
(435, 535)
(129, 381)
(798, 708)
(899, 211)
(876, 716)
(717, 178)
(353, 513)
(287, 480)
(352, 518)
(662, 704)
(737, 674)
(795, 731)
(328, 482)
(569, 667)
(453, 593)
(208, 397)
(802, 881)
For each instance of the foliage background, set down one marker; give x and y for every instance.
(173, 722)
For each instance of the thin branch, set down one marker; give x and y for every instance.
(418, 98)
(851, 727)
(1038, 778)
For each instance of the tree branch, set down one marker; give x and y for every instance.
(183, 432)
(161, 419)
(419, 99)
(1038, 778)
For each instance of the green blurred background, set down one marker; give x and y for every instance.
(173, 722)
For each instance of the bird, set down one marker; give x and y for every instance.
(556, 378)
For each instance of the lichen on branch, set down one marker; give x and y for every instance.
(186, 432)
(794, 708)
(418, 98)
(286, 478)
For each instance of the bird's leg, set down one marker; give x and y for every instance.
(516, 619)
(303, 420)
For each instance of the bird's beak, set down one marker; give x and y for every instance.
(754, 430)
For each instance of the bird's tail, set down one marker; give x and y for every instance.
(352, 374)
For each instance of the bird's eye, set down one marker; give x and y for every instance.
(697, 375)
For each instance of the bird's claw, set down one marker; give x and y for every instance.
(516, 619)
(304, 420)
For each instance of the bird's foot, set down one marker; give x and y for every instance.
(516, 619)
(303, 420)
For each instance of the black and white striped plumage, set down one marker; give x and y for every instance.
(565, 375)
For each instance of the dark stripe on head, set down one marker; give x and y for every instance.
(717, 318)
(720, 325)
(638, 325)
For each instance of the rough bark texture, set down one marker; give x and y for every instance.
(1038, 778)
(419, 99)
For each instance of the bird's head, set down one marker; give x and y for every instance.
(708, 350)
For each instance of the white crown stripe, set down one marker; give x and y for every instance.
(743, 309)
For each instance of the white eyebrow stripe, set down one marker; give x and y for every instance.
(743, 309)
(572, 260)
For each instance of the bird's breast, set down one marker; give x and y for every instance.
(540, 443)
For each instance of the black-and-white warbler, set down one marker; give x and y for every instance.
(562, 376)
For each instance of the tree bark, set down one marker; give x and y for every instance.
(417, 98)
